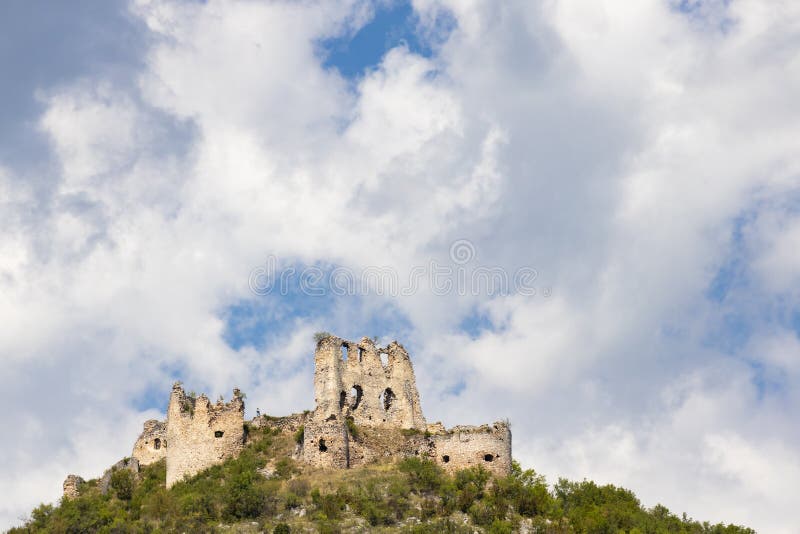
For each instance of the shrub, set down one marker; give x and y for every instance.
(319, 336)
(300, 435)
(424, 475)
(351, 427)
(470, 484)
(299, 486)
(285, 467)
(331, 505)
(291, 500)
(526, 491)
(281, 528)
(245, 498)
(122, 484)
(500, 527)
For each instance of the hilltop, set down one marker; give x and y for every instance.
(364, 460)
(264, 490)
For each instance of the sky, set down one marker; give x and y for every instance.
(190, 190)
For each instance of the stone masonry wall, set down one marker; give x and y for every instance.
(72, 486)
(152, 443)
(468, 446)
(382, 403)
(367, 410)
(201, 434)
(352, 382)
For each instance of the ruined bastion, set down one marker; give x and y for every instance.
(367, 409)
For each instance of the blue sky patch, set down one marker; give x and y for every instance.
(475, 324)
(256, 321)
(393, 24)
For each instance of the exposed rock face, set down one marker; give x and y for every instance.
(201, 434)
(152, 443)
(72, 486)
(351, 382)
(131, 464)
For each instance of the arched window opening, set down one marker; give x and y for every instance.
(445, 458)
(344, 353)
(488, 457)
(218, 433)
(384, 359)
(388, 397)
(342, 399)
(360, 354)
(157, 444)
(357, 394)
(322, 446)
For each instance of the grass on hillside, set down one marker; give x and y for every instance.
(412, 496)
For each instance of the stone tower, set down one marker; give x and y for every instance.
(352, 381)
(201, 434)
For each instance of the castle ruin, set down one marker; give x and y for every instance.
(152, 443)
(367, 409)
(372, 389)
(201, 434)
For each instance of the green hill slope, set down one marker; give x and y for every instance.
(263, 490)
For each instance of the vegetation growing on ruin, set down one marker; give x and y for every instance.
(319, 336)
(263, 490)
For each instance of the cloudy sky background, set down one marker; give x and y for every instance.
(643, 157)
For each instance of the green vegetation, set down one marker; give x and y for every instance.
(319, 336)
(411, 432)
(351, 427)
(412, 496)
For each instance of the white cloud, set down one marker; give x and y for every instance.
(614, 147)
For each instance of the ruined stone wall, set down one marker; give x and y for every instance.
(367, 410)
(326, 444)
(289, 424)
(72, 486)
(468, 446)
(152, 443)
(201, 434)
(352, 382)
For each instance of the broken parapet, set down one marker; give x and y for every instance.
(201, 434)
(72, 486)
(152, 443)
